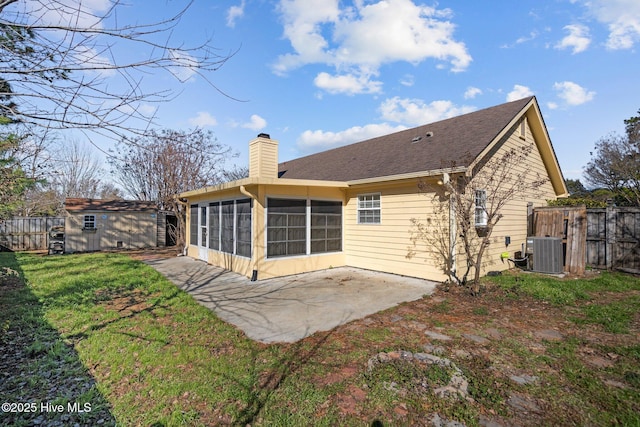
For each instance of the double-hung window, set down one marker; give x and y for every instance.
(369, 209)
(480, 208)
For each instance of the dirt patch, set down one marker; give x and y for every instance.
(339, 375)
(472, 331)
(126, 303)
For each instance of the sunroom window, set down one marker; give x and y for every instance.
(230, 227)
(286, 227)
(214, 226)
(326, 226)
(226, 227)
(243, 227)
(193, 225)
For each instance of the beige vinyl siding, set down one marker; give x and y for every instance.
(385, 246)
(514, 220)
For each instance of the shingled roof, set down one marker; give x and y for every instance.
(455, 141)
(112, 205)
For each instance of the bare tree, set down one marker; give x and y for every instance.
(616, 167)
(166, 163)
(60, 62)
(237, 172)
(78, 172)
(468, 206)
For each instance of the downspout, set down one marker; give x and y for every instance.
(453, 234)
(453, 226)
(246, 193)
(254, 272)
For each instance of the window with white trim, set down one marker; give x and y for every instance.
(369, 208)
(480, 208)
(89, 222)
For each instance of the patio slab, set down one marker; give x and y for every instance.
(287, 309)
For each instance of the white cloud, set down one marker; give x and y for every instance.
(531, 36)
(573, 94)
(203, 119)
(578, 38)
(524, 39)
(518, 92)
(358, 40)
(417, 112)
(552, 105)
(407, 80)
(622, 18)
(235, 12)
(68, 13)
(347, 83)
(256, 123)
(319, 140)
(303, 28)
(472, 92)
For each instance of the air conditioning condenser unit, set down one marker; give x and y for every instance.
(546, 253)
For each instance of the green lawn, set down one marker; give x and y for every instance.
(158, 358)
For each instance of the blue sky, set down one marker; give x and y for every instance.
(324, 73)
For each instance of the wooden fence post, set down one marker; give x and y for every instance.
(610, 220)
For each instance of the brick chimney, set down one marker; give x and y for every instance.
(263, 157)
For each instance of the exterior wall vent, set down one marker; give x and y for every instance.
(429, 134)
(416, 139)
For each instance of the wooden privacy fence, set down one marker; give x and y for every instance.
(569, 224)
(27, 233)
(613, 238)
(599, 237)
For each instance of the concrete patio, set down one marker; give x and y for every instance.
(287, 309)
